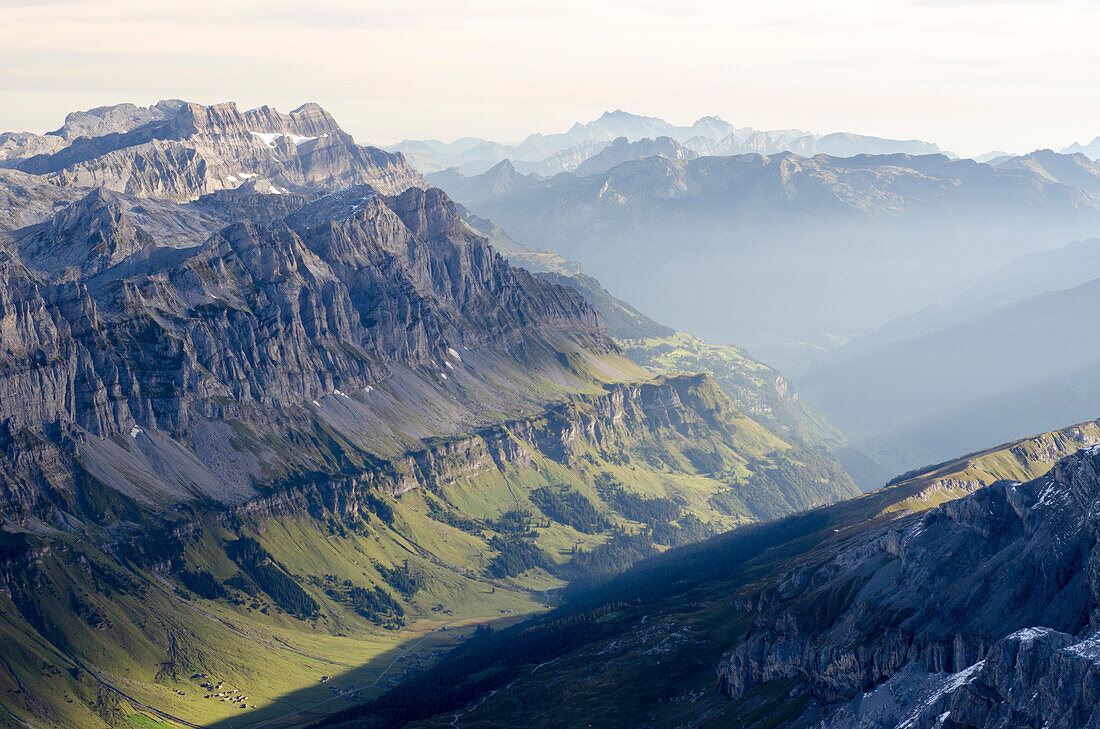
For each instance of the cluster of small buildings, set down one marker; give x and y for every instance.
(230, 695)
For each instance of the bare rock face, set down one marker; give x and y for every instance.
(1035, 677)
(941, 593)
(164, 270)
(179, 151)
(114, 119)
(18, 145)
(118, 318)
(29, 199)
(90, 235)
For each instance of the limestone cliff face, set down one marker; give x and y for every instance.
(17, 145)
(89, 235)
(262, 316)
(937, 594)
(475, 297)
(188, 150)
(167, 270)
(113, 119)
(624, 413)
(109, 330)
(1034, 677)
(28, 199)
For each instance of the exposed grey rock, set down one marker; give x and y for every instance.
(17, 145)
(198, 149)
(29, 199)
(108, 330)
(135, 326)
(91, 235)
(1035, 677)
(339, 205)
(939, 593)
(113, 119)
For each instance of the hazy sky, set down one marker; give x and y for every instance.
(971, 76)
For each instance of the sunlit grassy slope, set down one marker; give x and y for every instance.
(1019, 460)
(369, 585)
(757, 389)
(642, 648)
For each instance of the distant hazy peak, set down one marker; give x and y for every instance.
(550, 154)
(994, 158)
(1075, 170)
(1090, 150)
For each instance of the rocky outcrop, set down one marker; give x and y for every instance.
(90, 235)
(373, 287)
(17, 145)
(1035, 677)
(934, 592)
(27, 199)
(607, 422)
(150, 290)
(107, 330)
(114, 119)
(190, 150)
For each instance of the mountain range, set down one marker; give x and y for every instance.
(292, 434)
(1011, 353)
(1090, 150)
(550, 154)
(279, 426)
(722, 235)
(178, 151)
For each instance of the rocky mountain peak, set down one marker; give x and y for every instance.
(502, 178)
(220, 118)
(622, 150)
(185, 150)
(308, 120)
(312, 118)
(114, 119)
(90, 234)
(339, 205)
(427, 213)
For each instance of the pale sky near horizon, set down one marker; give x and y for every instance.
(970, 75)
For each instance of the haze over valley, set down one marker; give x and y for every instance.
(630, 366)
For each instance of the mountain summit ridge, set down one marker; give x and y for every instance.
(550, 154)
(184, 150)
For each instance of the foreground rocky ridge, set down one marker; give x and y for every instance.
(898, 600)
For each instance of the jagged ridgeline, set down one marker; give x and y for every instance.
(278, 428)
